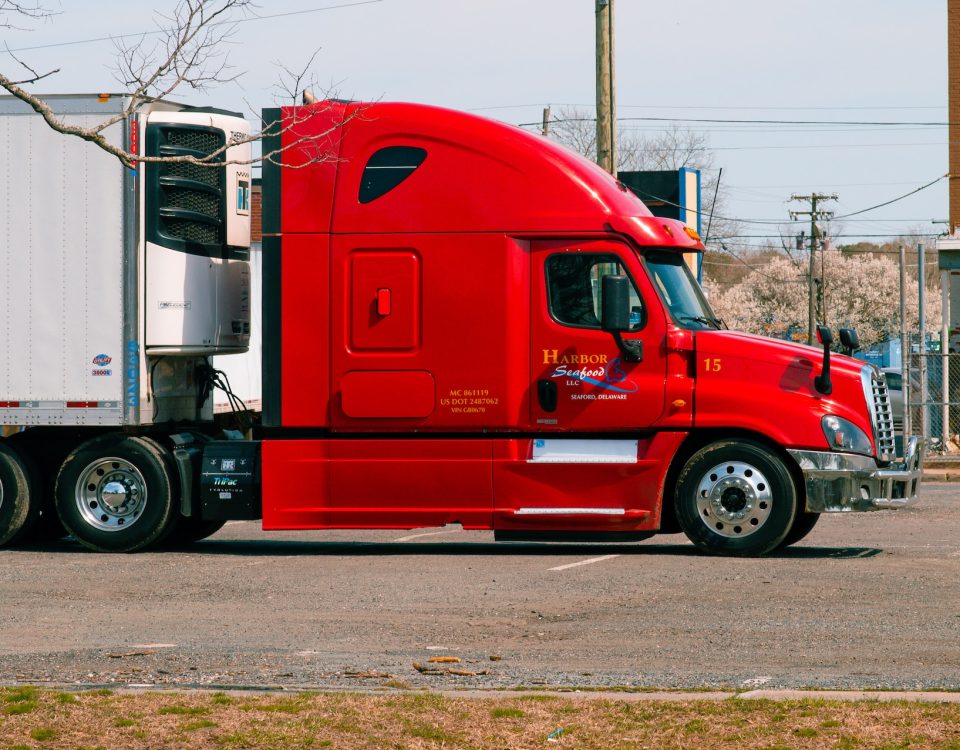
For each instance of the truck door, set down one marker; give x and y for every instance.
(581, 380)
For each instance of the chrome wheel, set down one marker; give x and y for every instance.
(734, 499)
(111, 494)
(116, 492)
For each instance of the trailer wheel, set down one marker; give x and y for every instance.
(802, 525)
(116, 493)
(19, 508)
(736, 498)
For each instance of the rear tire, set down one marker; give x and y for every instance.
(186, 531)
(19, 509)
(117, 493)
(736, 498)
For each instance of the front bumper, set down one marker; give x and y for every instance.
(847, 482)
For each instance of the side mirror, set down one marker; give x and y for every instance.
(849, 340)
(615, 315)
(615, 304)
(822, 381)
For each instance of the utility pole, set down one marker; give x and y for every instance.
(606, 101)
(815, 215)
(546, 121)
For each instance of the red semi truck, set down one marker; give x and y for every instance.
(466, 323)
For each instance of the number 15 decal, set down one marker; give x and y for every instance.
(712, 365)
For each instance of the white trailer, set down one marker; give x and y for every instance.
(116, 286)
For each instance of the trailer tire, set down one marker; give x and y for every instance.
(736, 498)
(802, 525)
(116, 493)
(43, 457)
(19, 509)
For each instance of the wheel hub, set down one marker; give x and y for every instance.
(734, 499)
(111, 494)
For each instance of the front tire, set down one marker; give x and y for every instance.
(19, 508)
(802, 525)
(736, 498)
(117, 493)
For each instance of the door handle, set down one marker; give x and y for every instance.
(547, 395)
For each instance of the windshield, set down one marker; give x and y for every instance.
(680, 290)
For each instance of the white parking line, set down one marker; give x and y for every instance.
(428, 533)
(584, 562)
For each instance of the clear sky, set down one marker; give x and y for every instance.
(863, 61)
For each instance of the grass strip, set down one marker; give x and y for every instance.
(197, 721)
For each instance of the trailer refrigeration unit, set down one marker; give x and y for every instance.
(466, 323)
(116, 286)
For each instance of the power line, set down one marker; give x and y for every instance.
(813, 146)
(775, 222)
(695, 107)
(154, 32)
(732, 121)
(853, 123)
(832, 236)
(894, 200)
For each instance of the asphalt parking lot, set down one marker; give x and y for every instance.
(866, 601)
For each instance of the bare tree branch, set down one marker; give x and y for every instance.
(34, 75)
(31, 10)
(190, 53)
(294, 84)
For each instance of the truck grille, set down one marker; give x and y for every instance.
(881, 413)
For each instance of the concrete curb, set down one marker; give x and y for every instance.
(941, 475)
(627, 695)
(772, 694)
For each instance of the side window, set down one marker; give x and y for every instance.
(387, 168)
(573, 289)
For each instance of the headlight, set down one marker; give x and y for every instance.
(845, 436)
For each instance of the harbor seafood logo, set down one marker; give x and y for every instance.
(102, 360)
(592, 369)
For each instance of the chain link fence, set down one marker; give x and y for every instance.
(931, 398)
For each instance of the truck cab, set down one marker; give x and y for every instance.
(441, 352)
